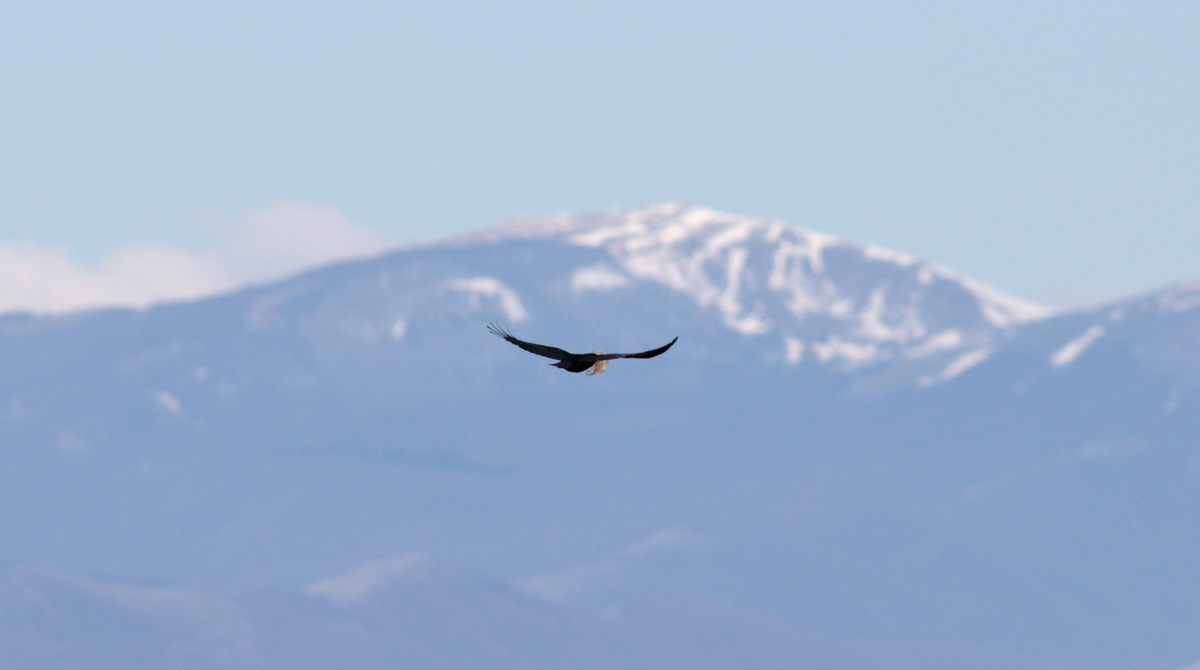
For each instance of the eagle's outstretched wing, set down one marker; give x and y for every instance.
(608, 357)
(539, 349)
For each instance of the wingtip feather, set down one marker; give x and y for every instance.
(498, 331)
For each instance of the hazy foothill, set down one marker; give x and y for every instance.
(850, 459)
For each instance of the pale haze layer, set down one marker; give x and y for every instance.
(1048, 149)
(258, 246)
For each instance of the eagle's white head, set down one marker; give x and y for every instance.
(597, 367)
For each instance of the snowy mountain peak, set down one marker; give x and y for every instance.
(1179, 298)
(817, 296)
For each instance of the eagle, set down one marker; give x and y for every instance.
(594, 363)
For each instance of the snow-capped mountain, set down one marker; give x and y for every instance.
(802, 293)
(845, 447)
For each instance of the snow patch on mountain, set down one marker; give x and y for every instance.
(399, 329)
(492, 288)
(966, 362)
(72, 445)
(1180, 298)
(1000, 308)
(889, 256)
(168, 402)
(664, 540)
(873, 324)
(609, 569)
(947, 339)
(361, 582)
(960, 365)
(597, 278)
(1077, 346)
(853, 354)
(793, 350)
(159, 600)
(50, 603)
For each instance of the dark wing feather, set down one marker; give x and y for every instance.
(539, 349)
(608, 357)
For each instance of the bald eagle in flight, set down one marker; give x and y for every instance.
(594, 363)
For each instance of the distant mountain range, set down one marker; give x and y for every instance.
(850, 459)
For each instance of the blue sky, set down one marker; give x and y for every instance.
(1049, 149)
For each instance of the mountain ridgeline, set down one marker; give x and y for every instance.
(849, 459)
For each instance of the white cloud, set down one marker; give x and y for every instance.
(44, 280)
(273, 243)
(259, 246)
